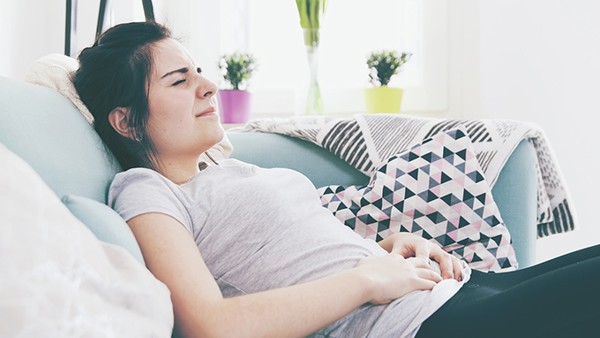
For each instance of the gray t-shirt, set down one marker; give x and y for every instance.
(259, 229)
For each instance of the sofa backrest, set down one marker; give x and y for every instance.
(268, 150)
(47, 131)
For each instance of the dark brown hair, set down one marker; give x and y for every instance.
(114, 72)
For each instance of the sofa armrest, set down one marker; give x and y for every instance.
(514, 192)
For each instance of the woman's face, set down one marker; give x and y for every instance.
(182, 116)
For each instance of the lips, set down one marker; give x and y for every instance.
(207, 111)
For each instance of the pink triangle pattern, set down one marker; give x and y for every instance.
(443, 204)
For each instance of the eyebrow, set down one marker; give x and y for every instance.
(180, 70)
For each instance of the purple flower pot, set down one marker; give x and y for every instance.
(234, 105)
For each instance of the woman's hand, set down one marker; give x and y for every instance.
(392, 276)
(410, 245)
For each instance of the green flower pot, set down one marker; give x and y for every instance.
(383, 99)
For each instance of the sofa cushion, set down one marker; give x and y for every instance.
(437, 190)
(50, 134)
(104, 222)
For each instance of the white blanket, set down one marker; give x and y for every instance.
(58, 280)
(367, 140)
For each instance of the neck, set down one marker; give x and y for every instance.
(177, 171)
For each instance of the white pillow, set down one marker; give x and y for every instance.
(58, 280)
(54, 71)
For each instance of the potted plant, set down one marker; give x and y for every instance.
(235, 101)
(383, 65)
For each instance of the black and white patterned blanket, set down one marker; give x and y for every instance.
(367, 140)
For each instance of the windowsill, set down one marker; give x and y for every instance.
(257, 116)
(419, 113)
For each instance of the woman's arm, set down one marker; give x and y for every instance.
(201, 311)
(410, 245)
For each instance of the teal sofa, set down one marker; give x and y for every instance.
(48, 132)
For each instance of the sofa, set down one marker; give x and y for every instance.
(44, 129)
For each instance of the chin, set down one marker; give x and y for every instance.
(218, 134)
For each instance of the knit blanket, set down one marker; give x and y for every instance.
(365, 141)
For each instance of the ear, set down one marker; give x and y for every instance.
(119, 120)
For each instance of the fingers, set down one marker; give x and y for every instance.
(419, 251)
(450, 266)
(392, 276)
(424, 284)
(425, 279)
(458, 266)
(429, 274)
(409, 245)
(419, 262)
(422, 250)
(446, 266)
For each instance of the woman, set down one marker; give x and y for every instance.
(244, 257)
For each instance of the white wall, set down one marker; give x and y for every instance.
(33, 28)
(30, 29)
(536, 60)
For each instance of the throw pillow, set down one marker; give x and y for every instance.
(104, 222)
(437, 190)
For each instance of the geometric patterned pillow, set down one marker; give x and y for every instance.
(437, 190)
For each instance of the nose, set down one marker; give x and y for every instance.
(206, 88)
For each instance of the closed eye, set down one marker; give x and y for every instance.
(178, 82)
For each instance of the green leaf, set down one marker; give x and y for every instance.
(310, 13)
(384, 64)
(237, 68)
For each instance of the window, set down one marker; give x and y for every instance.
(351, 29)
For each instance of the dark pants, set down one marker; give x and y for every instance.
(557, 298)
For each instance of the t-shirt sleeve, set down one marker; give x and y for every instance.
(139, 191)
